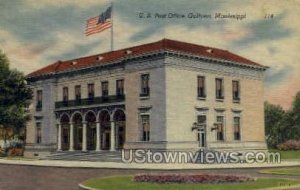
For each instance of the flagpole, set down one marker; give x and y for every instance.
(112, 29)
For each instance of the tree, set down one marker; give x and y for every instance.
(292, 120)
(280, 125)
(15, 97)
(273, 120)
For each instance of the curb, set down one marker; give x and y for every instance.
(269, 188)
(86, 187)
(114, 165)
(275, 188)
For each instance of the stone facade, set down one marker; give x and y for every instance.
(172, 105)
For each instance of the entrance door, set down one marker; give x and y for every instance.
(201, 133)
(120, 134)
(105, 140)
(78, 137)
(65, 137)
(91, 138)
(201, 137)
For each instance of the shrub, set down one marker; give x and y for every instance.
(2, 152)
(289, 145)
(15, 152)
(190, 178)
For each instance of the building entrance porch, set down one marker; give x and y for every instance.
(91, 131)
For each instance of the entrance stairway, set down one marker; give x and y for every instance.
(102, 156)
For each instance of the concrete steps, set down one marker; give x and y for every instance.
(104, 156)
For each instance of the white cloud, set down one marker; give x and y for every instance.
(60, 3)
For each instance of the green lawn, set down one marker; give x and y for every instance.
(288, 154)
(126, 183)
(282, 171)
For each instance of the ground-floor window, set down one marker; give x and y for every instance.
(220, 128)
(237, 128)
(145, 121)
(38, 133)
(202, 130)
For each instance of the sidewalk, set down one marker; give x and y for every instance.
(163, 166)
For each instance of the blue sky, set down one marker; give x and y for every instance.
(34, 34)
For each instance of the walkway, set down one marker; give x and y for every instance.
(121, 165)
(15, 177)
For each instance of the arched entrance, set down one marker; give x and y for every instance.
(65, 134)
(77, 122)
(104, 119)
(120, 123)
(90, 118)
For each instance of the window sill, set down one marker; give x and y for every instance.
(38, 109)
(144, 97)
(220, 99)
(236, 101)
(201, 98)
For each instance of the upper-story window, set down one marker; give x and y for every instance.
(91, 91)
(219, 88)
(65, 94)
(77, 92)
(235, 90)
(201, 87)
(39, 100)
(145, 89)
(220, 128)
(120, 87)
(104, 86)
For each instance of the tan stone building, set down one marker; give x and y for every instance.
(166, 95)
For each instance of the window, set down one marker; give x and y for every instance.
(201, 87)
(65, 94)
(104, 86)
(145, 90)
(77, 93)
(220, 128)
(120, 87)
(91, 91)
(38, 133)
(237, 128)
(202, 119)
(219, 89)
(145, 121)
(201, 136)
(235, 90)
(39, 100)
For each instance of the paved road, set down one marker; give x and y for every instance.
(14, 177)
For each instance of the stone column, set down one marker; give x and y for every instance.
(71, 137)
(84, 126)
(112, 136)
(98, 136)
(59, 138)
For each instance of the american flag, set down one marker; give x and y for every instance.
(99, 23)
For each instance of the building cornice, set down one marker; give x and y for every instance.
(159, 54)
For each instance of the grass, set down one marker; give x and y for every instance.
(282, 171)
(287, 154)
(126, 183)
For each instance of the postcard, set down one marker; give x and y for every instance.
(140, 94)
